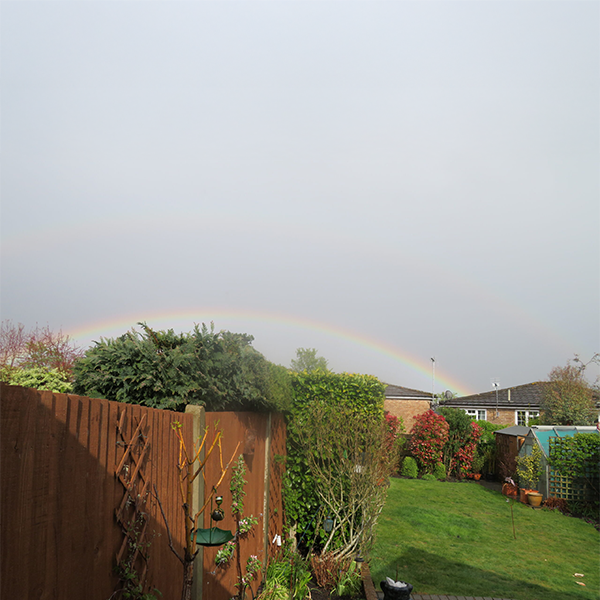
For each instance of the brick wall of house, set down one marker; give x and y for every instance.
(505, 417)
(407, 409)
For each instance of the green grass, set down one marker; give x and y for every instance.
(457, 539)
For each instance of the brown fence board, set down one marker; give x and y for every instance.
(59, 537)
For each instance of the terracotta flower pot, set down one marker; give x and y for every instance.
(476, 476)
(523, 494)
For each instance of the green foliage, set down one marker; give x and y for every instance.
(577, 457)
(236, 486)
(349, 584)
(362, 394)
(346, 457)
(529, 467)
(126, 570)
(393, 442)
(287, 578)
(567, 397)
(244, 526)
(439, 472)
(461, 445)
(409, 468)
(307, 360)
(163, 369)
(486, 447)
(429, 435)
(38, 378)
(429, 477)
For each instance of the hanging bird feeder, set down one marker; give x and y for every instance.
(213, 536)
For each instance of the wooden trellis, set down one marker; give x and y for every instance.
(131, 514)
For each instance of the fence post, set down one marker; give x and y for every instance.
(198, 428)
(266, 487)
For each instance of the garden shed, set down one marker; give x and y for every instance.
(508, 444)
(551, 482)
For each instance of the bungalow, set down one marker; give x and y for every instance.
(510, 406)
(406, 403)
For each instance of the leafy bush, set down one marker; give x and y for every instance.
(163, 369)
(287, 577)
(439, 472)
(349, 583)
(529, 468)
(393, 442)
(578, 457)
(345, 454)
(486, 446)
(38, 378)
(323, 403)
(409, 468)
(429, 436)
(463, 435)
(429, 477)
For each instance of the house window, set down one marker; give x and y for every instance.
(523, 416)
(476, 413)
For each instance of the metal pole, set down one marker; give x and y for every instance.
(433, 379)
(496, 384)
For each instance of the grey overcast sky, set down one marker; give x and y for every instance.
(384, 181)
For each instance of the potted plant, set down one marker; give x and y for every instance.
(477, 465)
(529, 470)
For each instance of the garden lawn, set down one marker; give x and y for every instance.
(457, 539)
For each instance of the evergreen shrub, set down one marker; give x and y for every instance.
(409, 468)
(439, 471)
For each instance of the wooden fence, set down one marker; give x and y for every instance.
(77, 492)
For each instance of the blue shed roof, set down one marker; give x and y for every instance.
(543, 434)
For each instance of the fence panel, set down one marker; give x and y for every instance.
(59, 493)
(261, 437)
(59, 537)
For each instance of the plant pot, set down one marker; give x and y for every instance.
(476, 476)
(392, 593)
(523, 494)
(509, 490)
(534, 498)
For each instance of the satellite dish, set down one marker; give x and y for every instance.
(448, 395)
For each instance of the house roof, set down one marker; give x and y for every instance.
(528, 395)
(400, 392)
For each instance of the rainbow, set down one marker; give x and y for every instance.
(30, 240)
(187, 317)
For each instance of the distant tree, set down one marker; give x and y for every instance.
(307, 360)
(568, 398)
(40, 358)
(162, 369)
